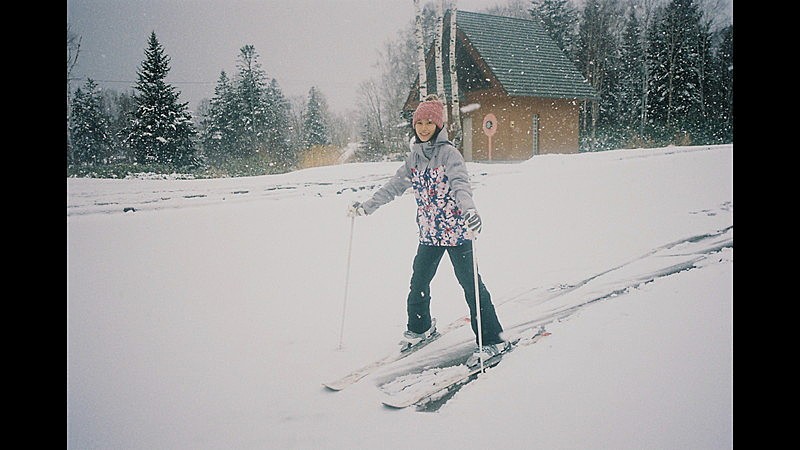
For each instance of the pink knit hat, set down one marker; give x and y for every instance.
(431, 109)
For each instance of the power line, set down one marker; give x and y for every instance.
(134, 82)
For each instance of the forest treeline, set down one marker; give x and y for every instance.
(663, 71)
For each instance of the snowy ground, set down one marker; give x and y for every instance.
(205, 314)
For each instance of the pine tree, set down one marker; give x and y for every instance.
(705, 78)
(315, 127)
(219, 134)
(675, 59)
(253, 115)
(631, 93)
(245, 130)
(720, 98)
(597, 60)
(89, 129)
(559, 19)
(161, 131)
(118, 108)
(73, 51)
(282, 155)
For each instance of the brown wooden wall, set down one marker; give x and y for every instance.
(558, 126)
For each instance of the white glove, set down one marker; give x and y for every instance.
(473, 221)
(355, 210)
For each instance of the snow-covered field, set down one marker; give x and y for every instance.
(205, 314)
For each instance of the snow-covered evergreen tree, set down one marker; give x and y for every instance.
(559, 19)
(676, 57)
(315, 123)
(73, 51)
(281, 153)
(246, 128)
(161, 131)
(118, 108)
(219, 133)
(720, 98)
(253, 121)
(597, 58)
(632, 88)
(91, 141)
(262, 118)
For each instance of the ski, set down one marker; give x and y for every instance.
(356, 375)
(434, 383)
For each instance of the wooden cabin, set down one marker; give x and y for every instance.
(519, 92)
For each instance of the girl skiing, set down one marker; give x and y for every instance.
(447, 220)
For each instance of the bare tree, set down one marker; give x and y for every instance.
(373, 134)
(423, 76)
(438, 55)
(455, 126)
(718, 12)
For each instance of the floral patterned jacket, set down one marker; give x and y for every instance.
(441, 188)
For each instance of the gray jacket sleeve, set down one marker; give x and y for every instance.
(395, 187)
(457, 173)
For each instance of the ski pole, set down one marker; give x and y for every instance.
(477, 302)
(347, 279)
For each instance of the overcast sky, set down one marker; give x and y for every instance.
(331, 44)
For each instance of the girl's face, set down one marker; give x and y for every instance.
(425, 129)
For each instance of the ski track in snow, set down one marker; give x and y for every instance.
(559, 303)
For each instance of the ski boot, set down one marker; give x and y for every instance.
(487, 351)
(411, 339)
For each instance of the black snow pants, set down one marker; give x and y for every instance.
(419, 300)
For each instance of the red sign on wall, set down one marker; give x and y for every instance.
(489, 129)
(490, 125)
